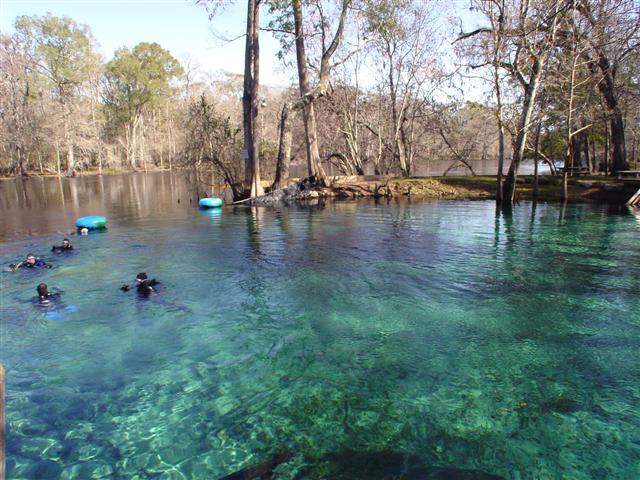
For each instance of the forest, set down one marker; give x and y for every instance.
(379, 87)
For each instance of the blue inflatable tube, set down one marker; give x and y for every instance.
(92, 222)
(212, 202)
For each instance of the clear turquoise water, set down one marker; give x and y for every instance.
(469, 339)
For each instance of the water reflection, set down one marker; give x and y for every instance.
(466, 336)
(39, 206)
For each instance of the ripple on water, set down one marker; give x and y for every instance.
(432, 331)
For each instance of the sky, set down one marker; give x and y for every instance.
(177, 25)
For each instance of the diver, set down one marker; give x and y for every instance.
(65, 247)
(46, 298)
(144, 285)
(30, 262)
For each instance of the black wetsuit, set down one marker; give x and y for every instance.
(144, 288)
(38, 264)
(48, 300)
(61, 248)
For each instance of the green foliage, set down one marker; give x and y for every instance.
(281, 23)
(214, 139)
(553, 145)
(139, 79)
(62, 49)
(384, 17)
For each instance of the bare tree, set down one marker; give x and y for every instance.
(612, 30)
(529, 29)
(251, 98)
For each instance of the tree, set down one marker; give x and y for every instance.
(612, 30)
(17, 104)
(213, 139)
(404, 39)
(294, 15)
(136, 81)
(64, 55)
(251, 98)
(528, 32)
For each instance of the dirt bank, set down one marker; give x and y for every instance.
(595, 189)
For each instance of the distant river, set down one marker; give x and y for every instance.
(369, 339)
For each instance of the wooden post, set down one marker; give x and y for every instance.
(2, 425)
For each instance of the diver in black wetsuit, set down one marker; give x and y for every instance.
(45, 298)
(144, 285)
(65, 247)
(30, 262)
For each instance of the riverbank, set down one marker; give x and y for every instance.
(84, 173)
(589, 189)
(592, 189)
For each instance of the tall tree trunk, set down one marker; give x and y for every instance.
(619, 159)
(246, 95)
(587, 153)
(58, 159)
(143, 157)
(536, 154)
(250, 99)
(497, 51)
(500, 136)
(308, 113)
(21, 161)
(405, 157)
(170, 135)
(531, 90)
(284, 147)
(608, 91)
(607, 149)
(71, 162)
(399, 146)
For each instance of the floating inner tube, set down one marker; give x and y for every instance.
(212, 202)
(92, 222)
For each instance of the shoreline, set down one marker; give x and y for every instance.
(586, 189)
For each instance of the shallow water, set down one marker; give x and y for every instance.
(502, 343)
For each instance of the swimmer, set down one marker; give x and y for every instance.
(45, 297)
(65, 247)
(84, 231)
(30, 262)
(144, 286)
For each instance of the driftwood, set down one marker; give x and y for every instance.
(262, 470)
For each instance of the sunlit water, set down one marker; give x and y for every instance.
(469, 339)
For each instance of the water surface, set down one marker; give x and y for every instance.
(349, 333)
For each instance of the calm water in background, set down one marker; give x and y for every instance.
(470, 339)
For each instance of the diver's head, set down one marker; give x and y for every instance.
(43, 291)
(66, 243)
(31, 259)
(141, 278)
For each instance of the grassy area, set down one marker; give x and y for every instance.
(589, 188)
